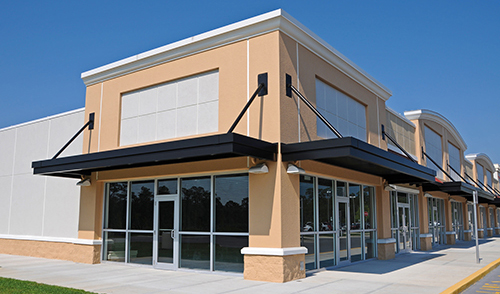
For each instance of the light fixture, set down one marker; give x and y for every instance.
(293, 169)
(260, 168)
(389, 187)
(427, 195)
(84, 183)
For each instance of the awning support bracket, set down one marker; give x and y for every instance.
(290, 88)
(384, 134)
(438, 166)
(479, 183)
(89, 124)
(261, 91)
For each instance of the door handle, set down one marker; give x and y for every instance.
(172, 234)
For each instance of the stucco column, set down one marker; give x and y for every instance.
(90, 221)
(384, 236)
(274, 253)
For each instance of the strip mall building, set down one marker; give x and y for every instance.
(174, 171)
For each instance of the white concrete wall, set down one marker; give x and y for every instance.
(32, 206)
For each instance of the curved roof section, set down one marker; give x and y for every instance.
(484, 157)
(438, 118)
(277, 20)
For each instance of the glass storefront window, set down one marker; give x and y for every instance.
(195, 252)
(338, 221)
(209, 233)
(142, 205)
(116, 213)
(228, 257)
(325, 201)
(167, 187)
(355, 206)
(141, 248)
(231, 203)
(195, 204)
(307, 204)
(114, 246)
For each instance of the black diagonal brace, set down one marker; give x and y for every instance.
(384, 134)
(438, 166)
(90, 124)
(479, 184)
(290, 88)
(261, 91)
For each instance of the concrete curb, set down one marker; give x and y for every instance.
(467, 282)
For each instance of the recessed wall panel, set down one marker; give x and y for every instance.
(5, 194)
(62, 202)
(7, 146)
(31, 144)
(27, 205)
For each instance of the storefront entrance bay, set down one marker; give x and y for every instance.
(194, 223)
(337, 221)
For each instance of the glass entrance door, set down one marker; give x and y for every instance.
(404, 228)
(343, 230)
(166, 233)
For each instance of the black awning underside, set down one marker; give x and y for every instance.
(451, 188)
(458, 189)
(351, 153)
(196, 149)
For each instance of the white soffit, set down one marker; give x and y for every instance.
(437, 118)
(277, 20)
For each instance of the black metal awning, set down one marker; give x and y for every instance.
(189, 150)
(451, 188)
(354, 154)
(458, 189)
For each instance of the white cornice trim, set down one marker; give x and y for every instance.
(437, 118)
(277, 20)
(273, 251)
(425, 235)
(386, 241)
(44, 119)
(484, 157)
(52, 239)
(451, 233)
(399, 115)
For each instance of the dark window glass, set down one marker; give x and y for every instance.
(356, 246)
(309, 242)
(402, 197)
(369, 211)
(141, 248)
(114, 246)
(231, 203)
(166, 215)
(195, 252)
(166, 187)
(117, 206)
(195, 204)
(326, 250)
(325, 199)
(341, 187)
(306, 203)
(227, 253)
(355, 205)
(142, 204)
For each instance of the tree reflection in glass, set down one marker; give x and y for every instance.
(117, 206)
(195, 204)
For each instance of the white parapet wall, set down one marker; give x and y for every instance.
(34, 207)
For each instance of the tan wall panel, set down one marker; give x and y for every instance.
(339, 173)
(265, 111)
(92, 104)
(179, 169)
(311, 67)
(91, 199)
(230, 60)
(53, 250)
(383, 202)
(289, 110)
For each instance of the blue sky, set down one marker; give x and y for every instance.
(438, 55)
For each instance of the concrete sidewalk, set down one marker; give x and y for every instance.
(418, 272)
